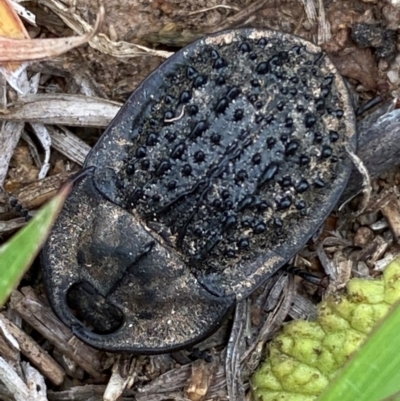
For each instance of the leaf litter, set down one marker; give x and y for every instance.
(72, 96)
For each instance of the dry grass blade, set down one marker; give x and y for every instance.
(125, 49)
(9, 137)
(234, 352)
(367, 188)
(242, 15)
(279, 295)
(101, 42)
(39, 49)
(204, 10)
(324, 28)
(309, 6)
(63, 109)
(23, 12)
(43, 135)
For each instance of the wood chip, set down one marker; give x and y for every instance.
(362, 270)
(70, 367)
(391, 211)
(373, 251)
(199, 383)
(380, 200)
(115, 386)
(36, 194)
(33, 390)
(28, 305)
(122, 376)
(36, 354)
(381, 264)
(13, 382)
(5, 394)
(79, 393)
(8, 336)
(3, 94)
(173, 380)
(35, 383)
(344, 266)
(303, 308)
(8, 353)
(69, 144)
(379, 225)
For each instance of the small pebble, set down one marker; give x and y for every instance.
(363, 236)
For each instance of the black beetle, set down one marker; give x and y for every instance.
(216, 171)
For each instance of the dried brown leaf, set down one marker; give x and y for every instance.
(358, 64)
(10, 24)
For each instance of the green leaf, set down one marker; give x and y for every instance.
(17, 254)
(373, 372)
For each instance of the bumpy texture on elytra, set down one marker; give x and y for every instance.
(227, 159)
(305, 358)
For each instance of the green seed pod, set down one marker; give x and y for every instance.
(305, 357)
